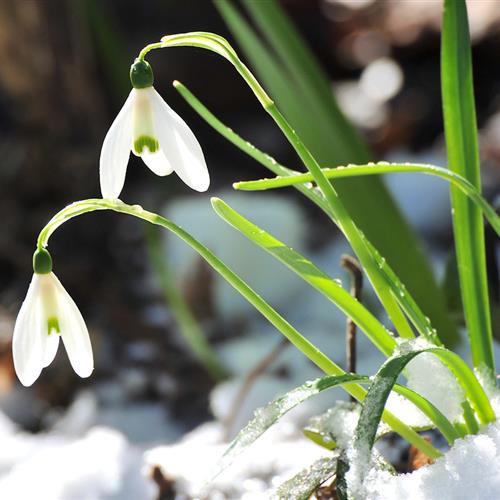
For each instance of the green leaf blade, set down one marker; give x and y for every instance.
(306, 482)
(268, 415)
(463, 157)
(383, 383)
(311, 274)
(367, 201)
(306, 73)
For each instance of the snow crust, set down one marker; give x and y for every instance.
(274, 458)
(78, 458)
(428, 376)
(470, 470)
(101, 465)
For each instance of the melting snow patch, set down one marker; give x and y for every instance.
(469, 470)
(274, 458)
(99, 466)
(428, 376)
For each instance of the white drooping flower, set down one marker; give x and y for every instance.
(148, 127)
(47, 314)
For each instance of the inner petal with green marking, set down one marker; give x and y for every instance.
(143, 138)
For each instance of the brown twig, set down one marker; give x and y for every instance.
(354, 268)
(249, 380)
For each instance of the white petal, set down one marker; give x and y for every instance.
(157, 162)
(115, 151)
(74, 333)
(179, 144)
(50, 348)
(30, 332)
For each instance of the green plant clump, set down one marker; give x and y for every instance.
(402, 281)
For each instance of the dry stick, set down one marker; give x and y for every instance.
(354, 268)
(248, 381)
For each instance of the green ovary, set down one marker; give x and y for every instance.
(145, 141)
(53, 324)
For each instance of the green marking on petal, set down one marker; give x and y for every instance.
(53, 324)
(146, 141)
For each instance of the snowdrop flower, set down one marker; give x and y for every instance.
(47, 313)
(148, 127)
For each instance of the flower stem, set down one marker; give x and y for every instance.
(404, 298)
(147, 48)
(298, 340)
(221, 46)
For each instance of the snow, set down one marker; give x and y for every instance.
(81, 459)
(428, 376)
(84, 455)
(468, 471)
(339, 422)
(275, 457)
(101, 465)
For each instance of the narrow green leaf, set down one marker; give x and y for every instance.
(308, 77)
(298, 340)
(384, 382)
(312, 194)
(385, 379)
(316, 278)
(470, 385)
(268, 415)
(319, 439)
(377, 169)
(319, 430)
(432, 412)
(463, 158)
(277, 81)
(470, 418)
(368, 202)
(304, 268)
(342, 469)
(306, 482)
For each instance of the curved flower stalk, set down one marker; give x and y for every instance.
(338, 212)
(47, 313)
(148, 127)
